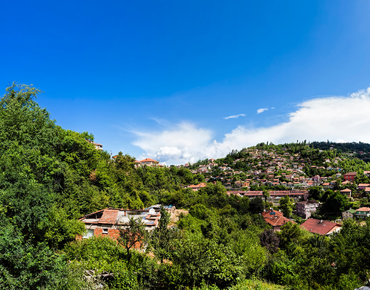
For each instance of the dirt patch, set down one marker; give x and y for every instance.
(175, 216)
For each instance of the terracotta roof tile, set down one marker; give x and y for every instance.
(275, 218)
(319, 227)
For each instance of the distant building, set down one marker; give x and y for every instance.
(362, 212)
(197, 187)
(97, 145)
(306, 208)
(348, 214)
(147, 162)
(350, 176)
(321, 227)
(347, 192)
(276, 219)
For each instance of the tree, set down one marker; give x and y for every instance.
(256, 205)
(266, 194)
(315, 192)
(286, 205)
(289, 233)
(132, 235)
(270, 240)
(162, 236)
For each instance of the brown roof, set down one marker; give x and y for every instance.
(346, 190)
(351, 173)
(109, 216)
(198, 185)
(319, 227)
(275, 218)
(148, 160)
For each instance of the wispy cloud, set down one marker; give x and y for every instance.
(272, 108)
(259, 111)
(235, 116)
(341, 119)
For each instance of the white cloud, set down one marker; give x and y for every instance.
(259, 111)
(235, 116)
(272, 108)
(334, 118)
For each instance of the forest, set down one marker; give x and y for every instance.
(50, 177)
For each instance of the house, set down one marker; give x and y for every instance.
(109, 221)
(362, 212)
(147, 162)
(326, 185)
(347, 192)
(363, 185)
(197, 187)
(306, 208)
(321, 227)
(97, 145)
(276, 219)
(350, 176)
(348, 214)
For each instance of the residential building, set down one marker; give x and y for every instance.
(109, 221)
(362, 212)
(306, 208)
(348, 214)
(363, 185)
(275, 218)
(197, 187)
(347, 192)
(147, 162)
(97, 145)
(321, 227)
(350, 176)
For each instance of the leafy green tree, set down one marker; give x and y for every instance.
(286, 205)
(256, 205)
(162, 236)
(290, 233)
(132, 235)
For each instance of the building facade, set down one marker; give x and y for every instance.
(306, 208)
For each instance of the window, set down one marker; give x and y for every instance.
(88, 234)
(105, 231)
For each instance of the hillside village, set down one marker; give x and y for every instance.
(74, 215)
(300, 171)
(300, 174)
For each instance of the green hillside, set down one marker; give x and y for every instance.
(50, 177)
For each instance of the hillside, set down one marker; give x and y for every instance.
(51, 177)
(280, 167)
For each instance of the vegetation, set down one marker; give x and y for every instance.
(50, 177)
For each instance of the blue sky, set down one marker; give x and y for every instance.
(157, 78)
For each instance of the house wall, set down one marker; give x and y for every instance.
(112, 233)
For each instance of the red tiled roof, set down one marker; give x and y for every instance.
(275, 218)
(319, 227)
